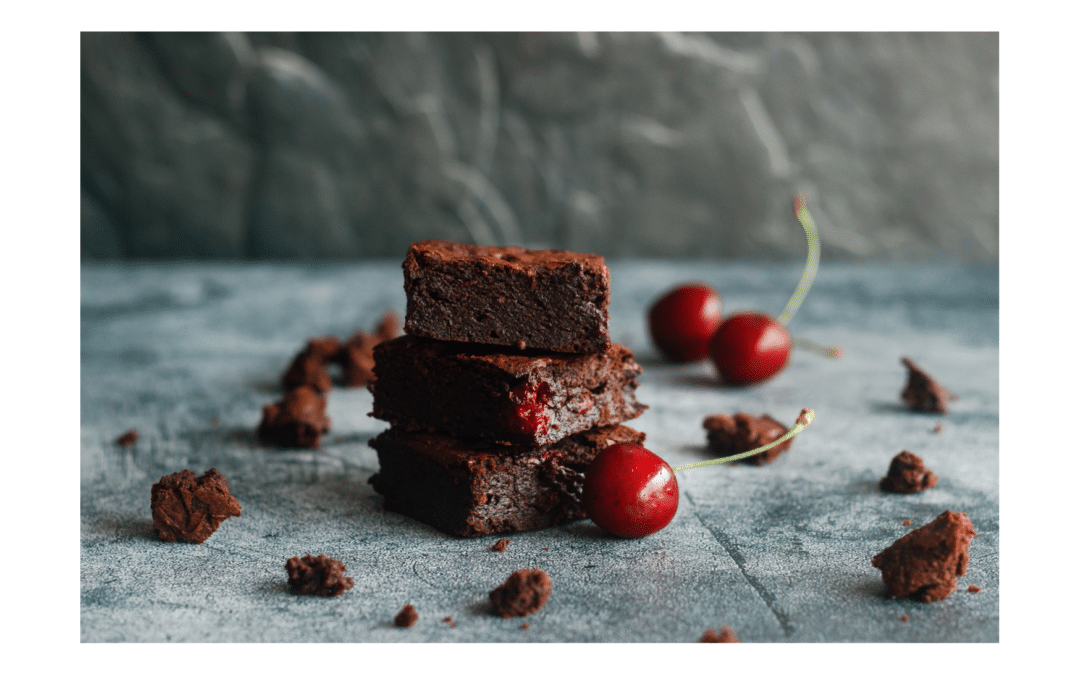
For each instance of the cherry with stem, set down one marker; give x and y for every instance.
(751, 347)
(631, 492)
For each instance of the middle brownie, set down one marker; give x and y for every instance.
(475, 391)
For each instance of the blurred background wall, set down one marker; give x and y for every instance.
(345, 145)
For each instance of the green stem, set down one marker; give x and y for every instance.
(813, 257)
(805, 418)
(835, 352)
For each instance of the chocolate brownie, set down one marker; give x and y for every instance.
(476, 391)
(908, 475)
(925, 563)
(510, 296)
(189, 508)
(734, 434)
(923, 392)
(128, 438)
(500, 545)
(524, 592)
(298, 420)
(476, 488)
(317, 575)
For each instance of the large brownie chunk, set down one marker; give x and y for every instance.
(476, 391)
(471, 489)
(735, 434)
(516, 297)
(925, 563)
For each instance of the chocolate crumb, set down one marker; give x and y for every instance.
(406, 617)
(309, 366)
(923, 392)
(937, 428)
(973, 589)
(317, 575)
(357, 357)
(734, 434)
(907, 475)
(906, 522)
(924, 564)
(298, 420)
(544, 549)
(128, 438)
(905, 617)
(189, 508)
(524, 592)
(726, 634)
(524, 626)
(450, 620)
(500, 545)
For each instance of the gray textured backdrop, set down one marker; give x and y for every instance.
(275, 146)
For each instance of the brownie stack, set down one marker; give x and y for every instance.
(502, 391)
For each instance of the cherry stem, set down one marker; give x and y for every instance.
(805, 418)
(813, 257)
(834, 352)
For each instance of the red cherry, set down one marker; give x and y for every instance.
(750, 347)
(629, 491)
(682, 322)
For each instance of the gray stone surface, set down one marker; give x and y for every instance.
(187, 355)
(346, 145)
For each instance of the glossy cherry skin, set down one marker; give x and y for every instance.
(750, 348)
(682, 322)
(629, 491)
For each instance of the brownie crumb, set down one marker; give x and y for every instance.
(937, 428)
(907, 475)
(500, 545)
(321, 575)
(406, 617)
(296, 421)
(973, 589)
(906, 522)
(524, 626)
(925, 563)
(357, 357)
(726, 634)
(450, 620)
(544, 549)
(189, 508)
(309, 366)
(923, 392)
(905, 617)
(524, 592)
(128, 438)
(734, 434)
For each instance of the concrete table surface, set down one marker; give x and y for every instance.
(188, 354)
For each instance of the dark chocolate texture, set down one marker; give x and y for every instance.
(317, 575)
(923, 392)
(476, 391)
(471, 489)
(509, 296)
(296, 421)
(907, 474)
(189, 508)
(734, 434)
(924, 564)
(524, 592)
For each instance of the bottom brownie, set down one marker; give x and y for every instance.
(475, 488)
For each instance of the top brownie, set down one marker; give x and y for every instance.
(511, 296)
